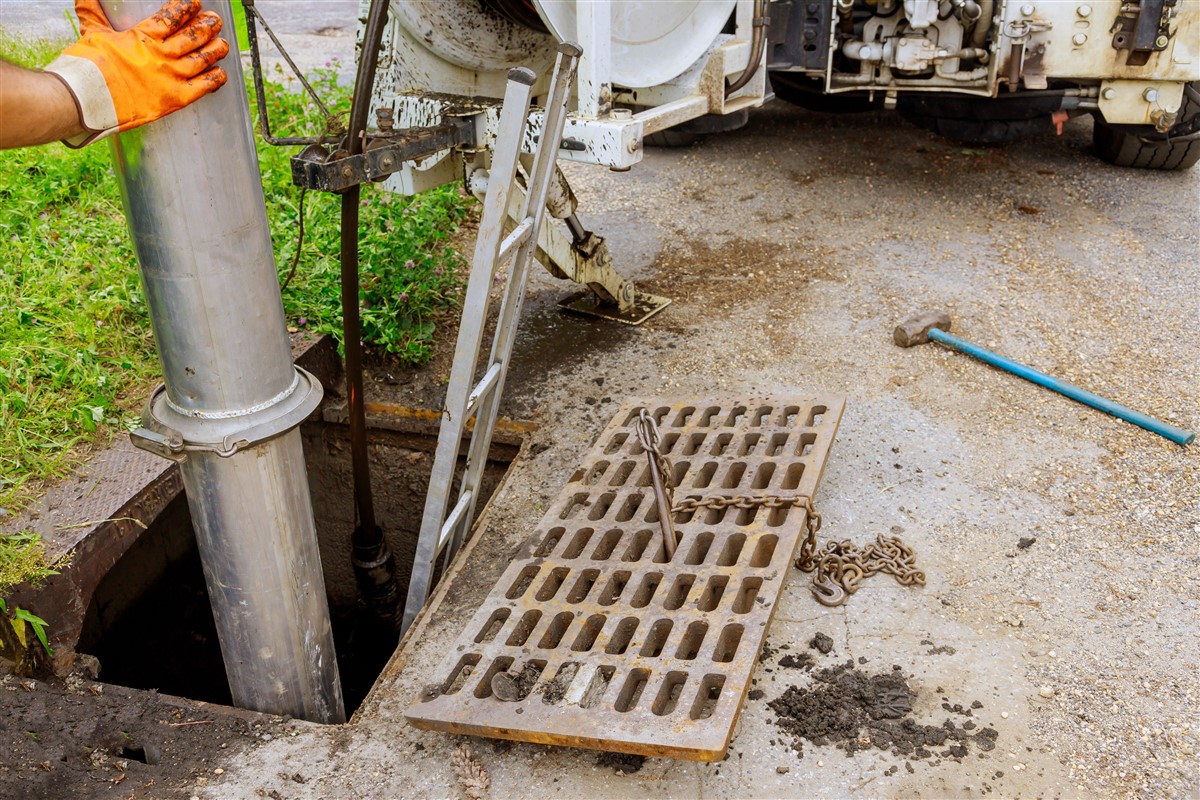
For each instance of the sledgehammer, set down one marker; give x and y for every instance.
(932, 326)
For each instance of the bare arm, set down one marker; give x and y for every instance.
(35, 108)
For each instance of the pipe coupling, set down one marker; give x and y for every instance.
(171, 432)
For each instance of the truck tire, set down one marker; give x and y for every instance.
(686, 134)
(1125, 148)
(799, 90)
(981, 120)
(671, 138)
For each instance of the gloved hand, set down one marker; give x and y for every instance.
(123, 79)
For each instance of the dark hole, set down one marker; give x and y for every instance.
(150, 623)
(146, 755)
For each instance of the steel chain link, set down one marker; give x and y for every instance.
(837, 569)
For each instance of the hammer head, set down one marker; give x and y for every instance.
(915, 330)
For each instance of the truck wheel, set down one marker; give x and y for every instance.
(981, 120)
(1125, 148)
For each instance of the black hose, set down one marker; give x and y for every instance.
(373, 564)
(758, 42)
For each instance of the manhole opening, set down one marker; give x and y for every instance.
(150, 623)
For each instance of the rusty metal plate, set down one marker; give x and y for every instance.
(598, 640)
(645, 306)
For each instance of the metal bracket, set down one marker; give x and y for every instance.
(171, 433)
(317, 168)
(587, 262)
(1145, 27)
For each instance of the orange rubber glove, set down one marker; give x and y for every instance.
(123, 79)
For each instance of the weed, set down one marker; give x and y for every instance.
(29, 52)
(22, 559)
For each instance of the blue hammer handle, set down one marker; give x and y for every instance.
(1176, 435)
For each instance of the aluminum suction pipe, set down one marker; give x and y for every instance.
(231, 399)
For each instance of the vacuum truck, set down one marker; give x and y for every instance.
(658, 71)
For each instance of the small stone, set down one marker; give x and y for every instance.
(1046, 692)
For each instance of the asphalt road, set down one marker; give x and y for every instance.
(327, 26)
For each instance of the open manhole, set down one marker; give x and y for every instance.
(594, 636)
(150, 623)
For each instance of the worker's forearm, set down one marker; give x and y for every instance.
(35, 108)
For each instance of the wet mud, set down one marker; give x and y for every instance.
(853, 710)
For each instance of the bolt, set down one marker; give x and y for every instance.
(1163, 120)
(1161, 42)
(1084, 11)
(1109, 93)
(1028, 9)
(1079, 39)
(1150, 95)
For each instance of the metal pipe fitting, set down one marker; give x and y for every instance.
(231, 399)
(980, 29)
(866, 51)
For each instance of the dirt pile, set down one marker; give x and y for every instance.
(621, 763)
(79, 739)
(854, 711)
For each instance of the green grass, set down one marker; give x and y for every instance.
(76, 354)
(410, 275)
(74, 340)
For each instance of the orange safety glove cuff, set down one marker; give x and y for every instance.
(123, 79)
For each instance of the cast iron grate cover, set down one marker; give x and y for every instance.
(609, 645)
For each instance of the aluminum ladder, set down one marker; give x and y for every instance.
(442, 533)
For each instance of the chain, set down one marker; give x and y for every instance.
(840, 566)
(837, 569)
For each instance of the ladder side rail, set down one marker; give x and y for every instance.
(514, 115)
(510, 309)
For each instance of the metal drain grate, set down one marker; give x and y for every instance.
(603, 643)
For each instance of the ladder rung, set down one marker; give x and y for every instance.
(514, 240)
(481, 390)
(451, 522)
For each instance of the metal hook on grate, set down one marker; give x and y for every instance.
(660, 477)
